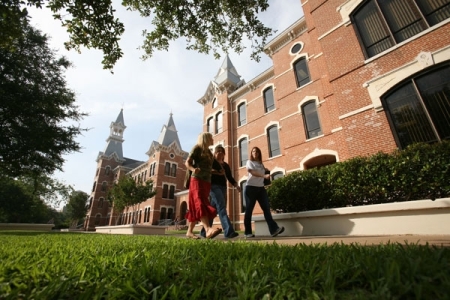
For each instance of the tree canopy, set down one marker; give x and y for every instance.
(126, 192)
(77, 206)
(38, 115)
(207, 25)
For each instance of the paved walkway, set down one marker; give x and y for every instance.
(437, 240)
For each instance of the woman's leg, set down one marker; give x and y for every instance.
(263, 201)
(190, 231)
(250, 201)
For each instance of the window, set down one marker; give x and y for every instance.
(147, 215)
(243, 184)
(269, 103)
(170, 213)
(98, 218)
(209, 125)
(419, 110)
(172, 192)
(219, 122)
(165, 191)
(93, 186)
(173, 171)
(152, 169)
(163, 213)
(107, 170)
(214, 103)
(167, 169)
(381, 24)
(296, 48)
(100, 202)
(243, 152)
(301, 72)
(311, 120)
(242, 114)
(104, 186)
(274, 143)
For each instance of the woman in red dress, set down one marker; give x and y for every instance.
(200, 162)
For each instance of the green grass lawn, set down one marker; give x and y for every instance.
(37, 265)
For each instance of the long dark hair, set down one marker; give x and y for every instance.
(252, 158)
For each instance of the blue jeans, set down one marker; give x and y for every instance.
(253, 194)
(218, 196)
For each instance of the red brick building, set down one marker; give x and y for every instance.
(349, 78)
(165, 167)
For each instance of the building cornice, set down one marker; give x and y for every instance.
(286, 36)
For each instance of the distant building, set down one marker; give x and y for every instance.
(349, 78)
(165, 167)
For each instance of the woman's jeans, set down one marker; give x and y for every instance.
(217, 196)
(253, 194)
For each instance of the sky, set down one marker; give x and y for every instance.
(148, 91)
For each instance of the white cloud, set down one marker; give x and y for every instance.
(148, 91)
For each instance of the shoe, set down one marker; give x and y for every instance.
(251, 235)
(278, 231)
(233, 235)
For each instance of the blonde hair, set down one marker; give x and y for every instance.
(203, 141)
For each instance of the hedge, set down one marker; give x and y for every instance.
(421, 171)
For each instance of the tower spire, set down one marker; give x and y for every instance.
(115, 139)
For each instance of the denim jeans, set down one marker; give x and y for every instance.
(218, 196)
(253, 194)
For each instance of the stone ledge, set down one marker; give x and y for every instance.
(412, 217)
(132, 229)
(26, 226)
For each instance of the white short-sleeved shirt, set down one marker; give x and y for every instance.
(258, 167)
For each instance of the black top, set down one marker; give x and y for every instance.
(220, 179)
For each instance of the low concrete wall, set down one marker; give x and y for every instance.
(26, 226)
(132, 229)
(413, 217)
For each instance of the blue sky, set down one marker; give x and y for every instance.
(148, 91)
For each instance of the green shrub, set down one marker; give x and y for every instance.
(421, 171)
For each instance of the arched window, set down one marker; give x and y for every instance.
(243, 152)
(273, 141)
(219, 122)
(311, 120)
(214, 103)
(98, 218)
(93, 186)
(104, 186)
(301, 72)
(100, 202)
(269, 102)
(107, 170)
(277, 175)
(381, 24)
(418, 110)
(209, 125)
(242, 114)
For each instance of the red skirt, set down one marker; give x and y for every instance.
(199, 205)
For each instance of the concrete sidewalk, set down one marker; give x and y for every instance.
(436, 240)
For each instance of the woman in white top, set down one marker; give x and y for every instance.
(255, 191)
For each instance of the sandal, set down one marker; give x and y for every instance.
(193, 237)
(214, 233)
